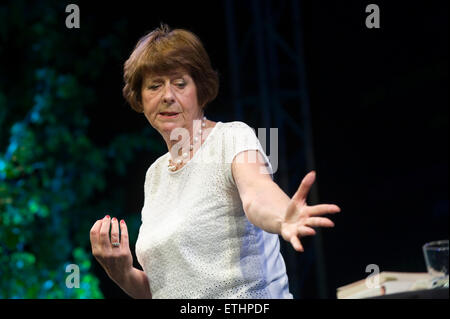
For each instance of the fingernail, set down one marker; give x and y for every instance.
(107, 216)
(122, 221)
(114, 219)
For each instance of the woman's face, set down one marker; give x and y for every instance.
(170, 101)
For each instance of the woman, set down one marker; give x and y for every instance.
(212, 213)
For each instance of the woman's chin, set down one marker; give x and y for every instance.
(169, 127)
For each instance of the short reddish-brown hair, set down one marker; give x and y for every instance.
(164, 51)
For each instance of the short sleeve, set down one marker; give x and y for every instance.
(240, 137)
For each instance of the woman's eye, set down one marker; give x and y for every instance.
(153, 87)
(181, 85)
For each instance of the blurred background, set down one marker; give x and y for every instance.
(366, 108)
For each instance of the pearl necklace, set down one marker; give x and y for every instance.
(174, 166)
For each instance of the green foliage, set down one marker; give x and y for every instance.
(52, 175)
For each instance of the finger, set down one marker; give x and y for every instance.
(123, 234)
(304, 231)
(114, 231)
(94, 234)
(295, 242)
(304, 187)
(104, 233)
(322, 209)
(319, 222)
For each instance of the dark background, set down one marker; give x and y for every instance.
(380, 117)
(379, 114)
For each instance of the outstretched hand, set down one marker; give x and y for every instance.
(300, 218)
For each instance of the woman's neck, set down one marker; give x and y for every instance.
(183, 149)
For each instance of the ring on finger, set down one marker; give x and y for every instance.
(115, 244)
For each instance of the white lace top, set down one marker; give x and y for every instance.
(195, 240)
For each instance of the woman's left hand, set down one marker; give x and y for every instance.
(300, 218)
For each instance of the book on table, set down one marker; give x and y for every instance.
(384, 283)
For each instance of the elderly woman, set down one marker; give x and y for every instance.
(212, 213)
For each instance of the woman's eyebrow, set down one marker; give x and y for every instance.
(177, 76)
(154, 79)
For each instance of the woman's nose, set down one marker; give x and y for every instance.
(168, 97)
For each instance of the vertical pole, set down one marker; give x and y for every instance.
(283, 177)
(308, 140)
(264, 96)
(233, 59)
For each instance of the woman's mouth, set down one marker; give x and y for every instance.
(169, 115)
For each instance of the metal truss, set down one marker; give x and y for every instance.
(269, 90)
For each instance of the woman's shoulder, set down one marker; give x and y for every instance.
(159, 163)
(235, 129)
(237, 134)
(234, 124)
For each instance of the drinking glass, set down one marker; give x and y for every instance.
(436, 259)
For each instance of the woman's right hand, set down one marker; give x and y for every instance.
(117, 261)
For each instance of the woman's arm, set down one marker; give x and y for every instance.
(135, 284)
(263, 201)
(269, 208)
